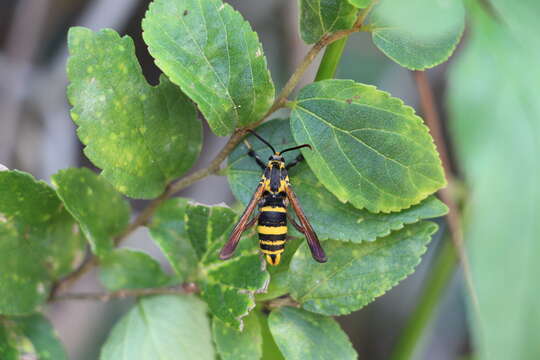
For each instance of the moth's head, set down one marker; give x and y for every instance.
(276, 158)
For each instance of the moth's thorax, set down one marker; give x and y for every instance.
(275, 177)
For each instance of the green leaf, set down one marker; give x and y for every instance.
(368, 148)
(100, 210)
(279, 285)
(270, 348)
(42, 335)
(140, 135)
(210, 51)
(8, 346)
(168, 230)
(417, 34)
(330, 218)
(227, 286)
(356, 274)
(321, 17)
(206, 224)
(130, 269)
(40, 242)
(333, 219)
(493, 98)
(232, 344)
(168, 327)
(303, 335)
(360, 4)
(230, 287)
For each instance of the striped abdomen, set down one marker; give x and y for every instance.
(272, 229)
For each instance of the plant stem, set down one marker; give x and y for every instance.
(439, 276)
(429, 110)
(122, 294)
(330, 60)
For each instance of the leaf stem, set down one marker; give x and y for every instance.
(330, 60)
(440, 274)
(186, 288)
(429, 110)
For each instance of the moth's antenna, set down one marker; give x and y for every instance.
(264, 141)
(296, 147)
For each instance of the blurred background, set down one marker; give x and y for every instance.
(38, 136)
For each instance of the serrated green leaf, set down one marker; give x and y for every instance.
(42, 335)
(230, 286)
(360, 4)
(100, 210)
(495, 123)
(303, 335)
(210, 51)
(206, 224)
(321, 17)
(40, 242)
(368, 148)
(232, 344)
(417, 34)
(335, 220)
(168, 327)
(243, 272)
(130, 269)
(141, 136)
(168, 230)
(356, 274)
(8, 346)
(330, 218)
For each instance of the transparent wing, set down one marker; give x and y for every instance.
(244, 223)
(313, 241)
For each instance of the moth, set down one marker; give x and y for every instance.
(272, 196)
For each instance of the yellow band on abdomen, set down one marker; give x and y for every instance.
(272, 252)
(271, 230)
(271, 208)
(269, 242)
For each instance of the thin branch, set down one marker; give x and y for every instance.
(306, 62)
(144, 217)
(122, 294)
(281, 301)
(429, 109)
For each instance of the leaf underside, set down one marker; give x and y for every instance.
(171, 327)
(300, 335)
(417, 34)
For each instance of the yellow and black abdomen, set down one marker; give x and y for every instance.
(272, 229)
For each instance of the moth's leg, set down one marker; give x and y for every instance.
(254, 155)
(295, 224)
(298, 159)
